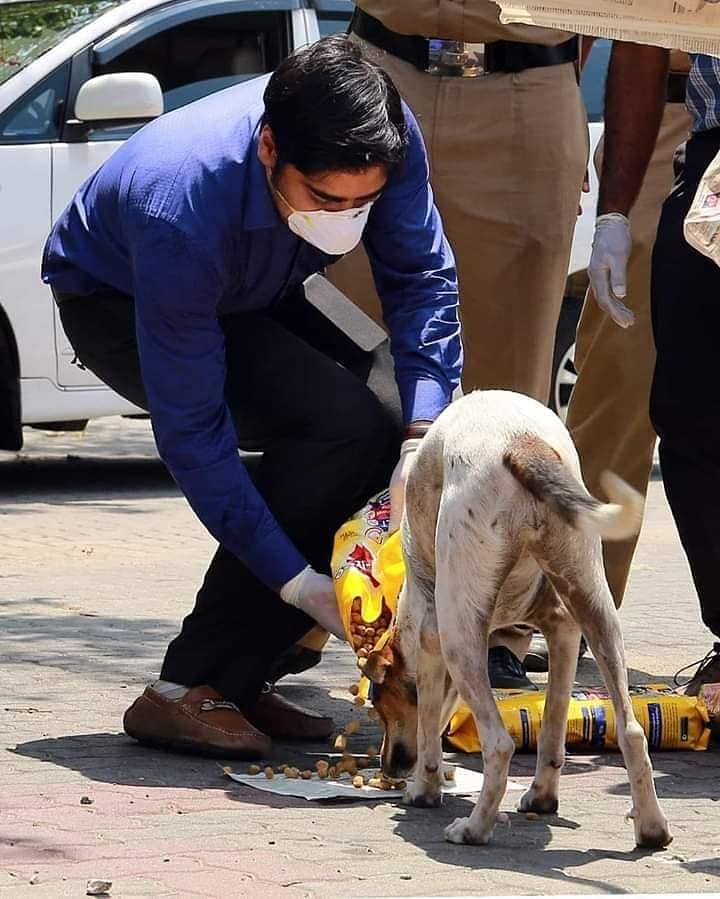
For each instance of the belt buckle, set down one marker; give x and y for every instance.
(459, 59)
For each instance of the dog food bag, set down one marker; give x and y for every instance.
(368, 570)
(670, 721)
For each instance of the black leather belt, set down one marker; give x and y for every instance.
(499, 56)
(677, 87)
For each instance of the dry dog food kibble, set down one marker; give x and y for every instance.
(358, 781)
(366, 634)
(449, 774)
(306, 775)
(269, 773)
(254, 769)
(340, 742)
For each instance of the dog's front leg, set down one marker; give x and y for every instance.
(432, 684)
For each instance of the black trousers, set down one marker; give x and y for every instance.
(299, 387)
(685, 399)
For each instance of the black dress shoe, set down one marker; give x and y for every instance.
(536, 659)
(506, 671)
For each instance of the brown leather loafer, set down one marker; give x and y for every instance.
(201, 723)
(280, 718)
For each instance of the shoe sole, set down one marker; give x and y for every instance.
(188, 747)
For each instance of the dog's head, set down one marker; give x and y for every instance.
(394, 695)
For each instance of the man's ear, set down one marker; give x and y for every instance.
(376, 665)
(267, 154)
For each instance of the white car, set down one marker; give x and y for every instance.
(67, 101)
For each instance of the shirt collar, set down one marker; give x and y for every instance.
(260, 210)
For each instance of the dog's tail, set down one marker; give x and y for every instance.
(542, 473)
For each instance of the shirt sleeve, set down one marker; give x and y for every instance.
(182, 359)
(415, 276)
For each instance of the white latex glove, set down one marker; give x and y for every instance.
(399, 479)
(608, 266)
(314, 594)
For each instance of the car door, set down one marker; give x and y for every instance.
(27, 131)
(193, 49)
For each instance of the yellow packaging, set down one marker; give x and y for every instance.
(669, 721)
(368, 570)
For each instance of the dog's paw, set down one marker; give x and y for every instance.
(461, 831)
(423, 795)
(533, 801)
(653, 834)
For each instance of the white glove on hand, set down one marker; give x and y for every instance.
(399, 479)
(608, 266)
(314, 594)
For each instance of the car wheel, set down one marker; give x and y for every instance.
(564, 374)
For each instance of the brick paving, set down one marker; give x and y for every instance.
(101, 557)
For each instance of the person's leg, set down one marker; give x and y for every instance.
(507, 158)
(685, 404)
(328, 444)
(608, 415)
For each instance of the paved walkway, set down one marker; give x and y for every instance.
(100, 562)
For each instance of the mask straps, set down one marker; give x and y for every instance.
(277, 192)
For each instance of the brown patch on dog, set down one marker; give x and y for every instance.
(379, 661)
(394, 693)
(540, 470)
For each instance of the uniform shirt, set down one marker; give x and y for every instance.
(476, 21)
(703, 92)
(182, 219)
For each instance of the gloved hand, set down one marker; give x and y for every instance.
(399, 479)
(608, 266)
(314, 594)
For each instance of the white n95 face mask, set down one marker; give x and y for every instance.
(335, 233)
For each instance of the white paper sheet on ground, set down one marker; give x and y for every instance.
(466, 782)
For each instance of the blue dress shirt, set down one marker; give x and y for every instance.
(181, 218)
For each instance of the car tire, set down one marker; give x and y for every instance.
(564, 374)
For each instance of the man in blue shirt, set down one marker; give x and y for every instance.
(178, 269)
(685, 297)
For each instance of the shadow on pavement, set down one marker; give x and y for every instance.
(31, 481)
(85, 643)
(24, 480)
(523, 846)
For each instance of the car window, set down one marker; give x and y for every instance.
(29, 29)
(197, 58)
(592, 82)
(36, 118)
(333, 23)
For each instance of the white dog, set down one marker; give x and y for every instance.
(499, 530)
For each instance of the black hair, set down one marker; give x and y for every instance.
(331, 109)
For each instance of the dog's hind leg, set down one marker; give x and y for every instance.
(563, 638)
(465, 593)
(574, 565)
(432, 687)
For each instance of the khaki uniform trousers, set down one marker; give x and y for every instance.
(608, 415)
(507, 156)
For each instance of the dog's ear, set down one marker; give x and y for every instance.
(377, 664)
